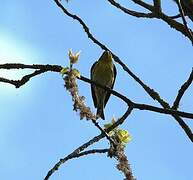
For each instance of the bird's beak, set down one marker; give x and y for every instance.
(109, 55)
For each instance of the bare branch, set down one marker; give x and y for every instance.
(184, 20)
(40, 69)
(184, 126)
(72, 156)
(187, 7)
(164, 111)
(103, 131)
(170, 21)
(157, 6)
(130, 12)
(48, 67)
(12, 82)
(144, 4)
(175, 17)
(86, 29)
(25, 79)
(157, 13)
(182, 90)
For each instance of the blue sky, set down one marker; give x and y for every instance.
(37, 124)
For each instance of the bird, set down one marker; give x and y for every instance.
(104, 73)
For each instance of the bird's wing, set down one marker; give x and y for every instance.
(92, 86)
(108, 94)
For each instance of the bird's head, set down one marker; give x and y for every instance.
(106, 56)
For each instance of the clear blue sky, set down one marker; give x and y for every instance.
(37, 124)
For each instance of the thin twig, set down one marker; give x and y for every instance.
(40, 69)
(72, 156)
(175, 16)
(163, 110)
(47, 67)
(131, 12)
(184, 126)
(184, 19)
(25, 79)
(182, 90)
(170, 21)
(104, 132)
(157, 6)
(144, 5)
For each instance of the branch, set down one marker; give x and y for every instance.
(87, 144)
(104, 132)
(184, 126)
(163, 111)
(157, 13)
(182, 90)
(71, 156)
(86, 29)
(170, 21)
(176, 16)
(144, 4)
(25, 79)
(150, 91)
(48, 67)
(157, 6)
(123, 163)
(40, 69)
(130, 12)
(184, 20)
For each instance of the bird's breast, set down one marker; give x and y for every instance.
(104, 74)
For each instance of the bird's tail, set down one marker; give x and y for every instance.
(100, 113)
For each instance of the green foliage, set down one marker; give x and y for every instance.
(119, 135)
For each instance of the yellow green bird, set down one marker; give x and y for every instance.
(103, 72)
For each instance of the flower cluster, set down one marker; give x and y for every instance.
(69, 75)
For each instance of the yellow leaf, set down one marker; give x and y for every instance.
(76, 73)
(124, 136)
(73, 56)
(64, 70)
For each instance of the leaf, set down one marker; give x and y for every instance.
(76, 73)
(124, 136)
(64, 70)
(73, 56)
